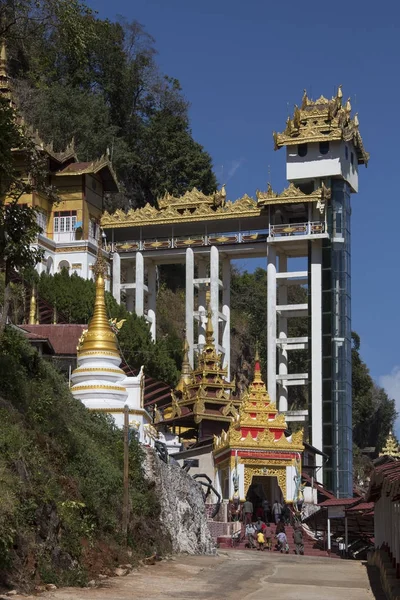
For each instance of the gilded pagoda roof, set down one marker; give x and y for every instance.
(292, 195)
(204, 392)
(192, 206)
(258, 424)
(323, 120)
(391, 448)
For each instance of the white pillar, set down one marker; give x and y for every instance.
(116, 277)
(316, 349)
(328, 533)
(282, 329)
(214, 291)
(271, 322)
(189, 301)
(152, 298)
(139, 289)
(226, 311)
(202, 272)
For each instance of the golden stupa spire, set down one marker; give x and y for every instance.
(186, 370)
(391, 447)
(99, 338)
(32, 307)
(209, 326)
(257, 368)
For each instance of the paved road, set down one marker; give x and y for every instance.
(234, 575)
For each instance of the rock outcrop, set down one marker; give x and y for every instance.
(182, 506)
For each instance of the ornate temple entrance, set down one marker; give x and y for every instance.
(265, 487)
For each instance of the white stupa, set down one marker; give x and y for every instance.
(98, 381)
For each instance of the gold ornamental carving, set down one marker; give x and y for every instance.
(261, 470)
(150, 215)
(293, 195)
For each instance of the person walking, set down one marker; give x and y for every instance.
(265, 506)
(298, 541)
(283, 545)
(277, 511)
(250, 533)
(248, 512)
(260, 540)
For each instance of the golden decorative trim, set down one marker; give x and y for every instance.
(149, 215)
(292, 195)
(76, 266)
(118, 388)
(118, 410)
(193, 198)
(261, 470)
(322, 120)
(99, 369)
(391, 447)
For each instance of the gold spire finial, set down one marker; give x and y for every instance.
(32, 307)
(100, 337)
(348, 106)
(391, 447)
(339, 94)
(257, 356)
(209, 327)
(186, 370)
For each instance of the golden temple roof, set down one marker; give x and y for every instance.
(99, 337)
(192, 206)
(258, 424)
(293, 195)
(322, 120)
(391, 448)
(205, 393)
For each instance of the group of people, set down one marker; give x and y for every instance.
(260, 534)
(278, 512)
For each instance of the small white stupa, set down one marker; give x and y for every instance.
(98, 381)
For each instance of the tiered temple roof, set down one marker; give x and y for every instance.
(258, 426)
(203, 393)
(323, 120)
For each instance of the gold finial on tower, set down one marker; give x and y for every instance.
(209, 327)
(32, 307)
(186, 370)
(391, 447)
(100, 338)
(3, 60)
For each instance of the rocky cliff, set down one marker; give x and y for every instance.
(182, 506)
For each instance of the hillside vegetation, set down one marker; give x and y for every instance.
(61, 473)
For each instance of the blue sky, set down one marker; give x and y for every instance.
(243, 65)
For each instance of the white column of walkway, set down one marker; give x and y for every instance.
(226, 313)
(271, 322)
(152, 297)
(202, 303)
(189, 302)
(316, 346)
(282, 335)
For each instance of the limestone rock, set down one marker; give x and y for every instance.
(50, 587)
(182, 506)
(12, 593)
(120, 572)
(91, 583)
(102, 576)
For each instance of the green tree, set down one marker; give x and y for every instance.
(18, 224)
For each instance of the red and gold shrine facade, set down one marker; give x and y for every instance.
(255, 446)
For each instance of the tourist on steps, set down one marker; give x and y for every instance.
(250, 533)
(260, 525)
(298, 541)
(268, 536)
(248, 512)
(265, 506)
(277, 511)
(282, 543)
(260, 540)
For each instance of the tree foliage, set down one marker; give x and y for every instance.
(74, 298)
(97, 81)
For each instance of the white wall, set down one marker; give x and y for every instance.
(315, 165)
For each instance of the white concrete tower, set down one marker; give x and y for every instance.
(323, 151)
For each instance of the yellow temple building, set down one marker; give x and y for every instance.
(71, 230)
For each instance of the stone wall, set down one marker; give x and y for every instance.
(182, 506)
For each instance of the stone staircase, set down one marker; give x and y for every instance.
(311, 546)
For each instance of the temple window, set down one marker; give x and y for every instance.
(323, 147)
(302, 149)
(93, 229)
(64, 221)
(41, 220)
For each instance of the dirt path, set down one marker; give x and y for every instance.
(233, 575)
